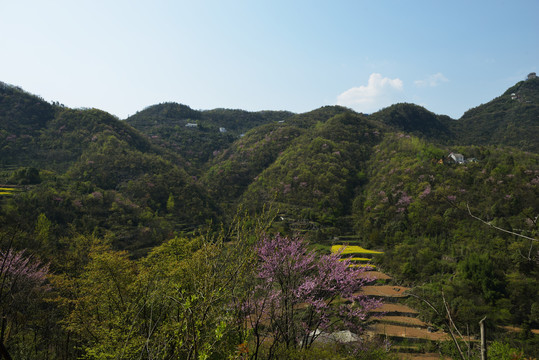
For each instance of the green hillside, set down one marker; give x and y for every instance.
(22, 117)
(511, 119)
(140, 208)
(198, 135)
(416, 120)
(316, 178)
(418, 210)
(234, 169)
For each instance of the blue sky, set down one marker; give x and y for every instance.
(121, 56)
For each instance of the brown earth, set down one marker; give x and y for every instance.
(429, 356)
(517, 329)
(375, 275)
(404, 320)
(395, 308)
(406, 332)
(384, 290)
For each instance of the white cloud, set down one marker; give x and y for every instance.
(432, 80)
(379, 92)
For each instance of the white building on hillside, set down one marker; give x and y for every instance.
(458, 158)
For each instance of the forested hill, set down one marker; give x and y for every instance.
(416, 120)
(169, 158)
(36, 133)
(511, 119)
(386, 180)
(196, 135)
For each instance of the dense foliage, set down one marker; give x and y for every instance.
(510, 119)
(116, 210)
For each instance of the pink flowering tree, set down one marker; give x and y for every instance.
(301, 295)
(22, 280)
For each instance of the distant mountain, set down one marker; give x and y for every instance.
(511, 119)
(36, 133)
(416, 120)
(197, 135)
(22, 116)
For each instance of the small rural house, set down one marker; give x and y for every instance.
(458, 158)
(191, 125)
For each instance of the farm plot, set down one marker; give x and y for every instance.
(394, 320)
(376, 275)
(352, 249)
(385, 291)
(6, 190)
(407, 332)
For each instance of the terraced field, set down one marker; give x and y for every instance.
(393, 320)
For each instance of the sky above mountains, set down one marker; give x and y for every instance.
(121, 56)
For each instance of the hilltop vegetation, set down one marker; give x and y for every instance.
(91, 186)
(197, 135)
(510, 119)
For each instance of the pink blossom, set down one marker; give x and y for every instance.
(404, 200)
(20, 273)
(298, 287)
(425, 192)
(287, 188)
(97, 195)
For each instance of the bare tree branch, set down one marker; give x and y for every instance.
(498, 228)
(451, 325)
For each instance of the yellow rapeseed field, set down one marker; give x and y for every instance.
(7, 191)
(355, 259)
(353, 249)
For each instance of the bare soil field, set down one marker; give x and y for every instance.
(517, 329)
(384, 290)
(429, 356)
(375, 275)
(407, 332)
(395, 308)
(404, 320)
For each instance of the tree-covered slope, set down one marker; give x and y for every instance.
(22, 116)
(315, 178)
(511, 119)
(232, 170)
(89, 172)
(419, 210)
(36, 133)
(415, 120)
(84, 177)
(197, 135)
